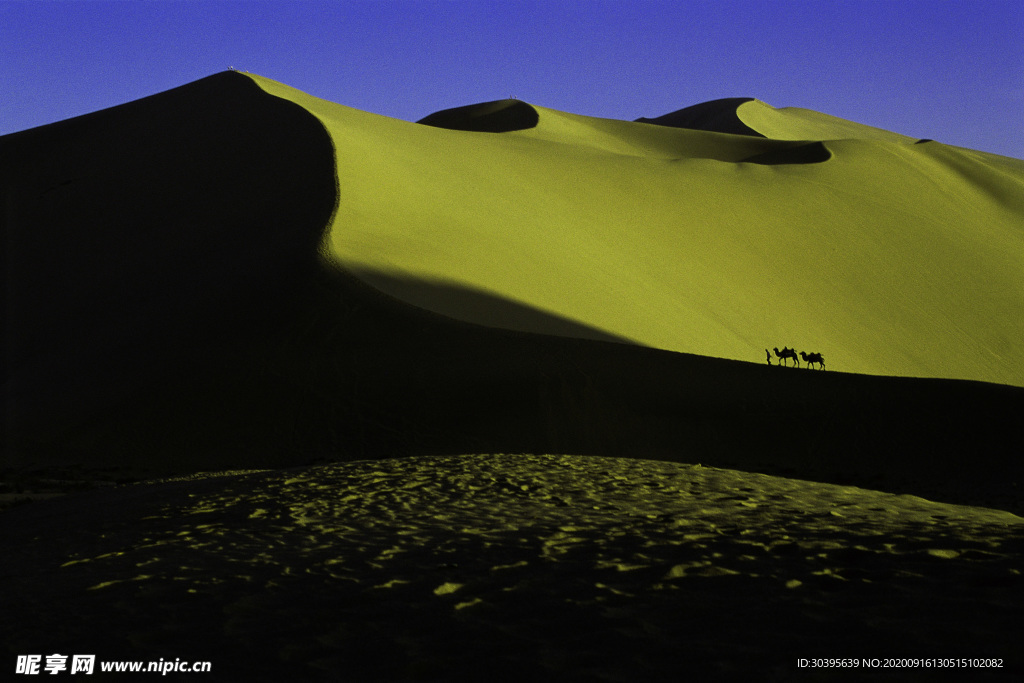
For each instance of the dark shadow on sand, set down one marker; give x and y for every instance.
(483, 308)
(143, 237)
(718, 116)
(802, 153)
(356, 374)
(500, 116)
(442, 386)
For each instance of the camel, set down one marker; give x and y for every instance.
(787, 353)
(812, 358)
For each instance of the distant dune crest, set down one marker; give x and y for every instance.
(500, 116)
(750, 116)
(794, 123)
(719, 116)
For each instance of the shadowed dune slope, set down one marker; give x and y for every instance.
(501, 116)
(886, 256)
(809, 153)
(143, 236)
(716, 115)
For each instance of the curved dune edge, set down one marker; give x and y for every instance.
(794, 123)
(501, 116)
(145, 237)
(717, 115)
(457, 302)
(648, 233)
(470, 567)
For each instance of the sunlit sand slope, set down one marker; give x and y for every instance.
(794, 123)
(885, 255)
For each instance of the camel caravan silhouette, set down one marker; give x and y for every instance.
(786, 353)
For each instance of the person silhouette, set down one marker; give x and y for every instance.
(769, 354)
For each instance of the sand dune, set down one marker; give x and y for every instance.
(888, 257)
(141, 237)
(794, 123)
(340, 289)
(501, 116)
(717, 115)
(749, 116)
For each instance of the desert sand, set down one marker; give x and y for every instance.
(312, 393)
(513, 567)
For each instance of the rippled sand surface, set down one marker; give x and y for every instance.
(508, 567)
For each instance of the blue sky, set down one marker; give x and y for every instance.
(952, 70)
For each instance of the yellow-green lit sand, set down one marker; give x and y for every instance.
(891, 257)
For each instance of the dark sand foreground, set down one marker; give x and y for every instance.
(512, 567)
